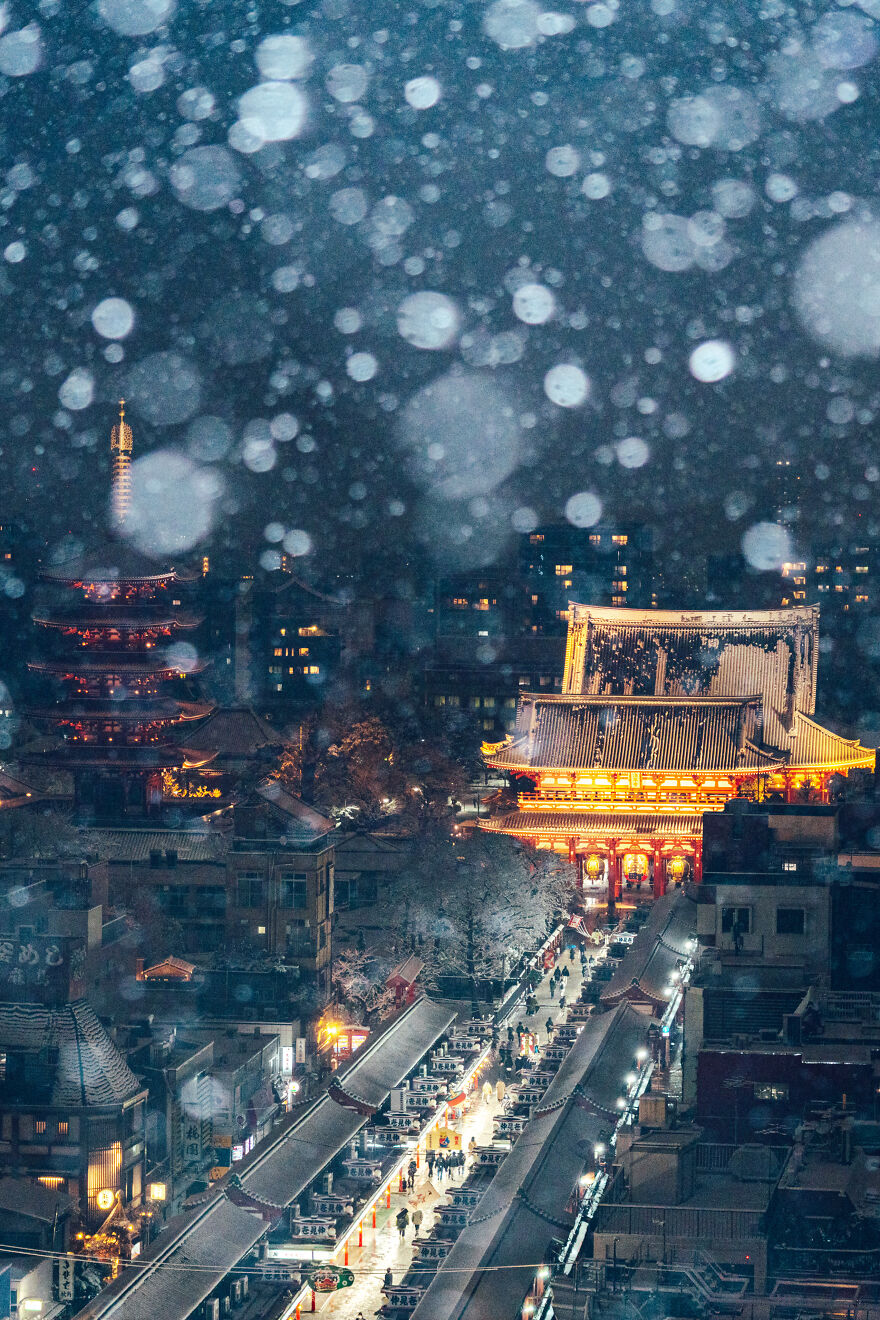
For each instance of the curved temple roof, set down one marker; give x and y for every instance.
(637, 733)
(673, 653)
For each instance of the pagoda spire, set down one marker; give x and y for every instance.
(121, 444)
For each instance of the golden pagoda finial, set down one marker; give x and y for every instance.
(121, 445)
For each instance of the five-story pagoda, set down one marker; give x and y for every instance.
(114, 665)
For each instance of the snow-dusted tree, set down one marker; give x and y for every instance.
(359, 986)
(475, 903)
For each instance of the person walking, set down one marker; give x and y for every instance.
(412, 1174)
(389, 1278)
(402, 1221)
(417, 1221)
(566, 973)
(549, 1026)
(430, 1158)
(571, 954)
(562, 1002)
(552, 988)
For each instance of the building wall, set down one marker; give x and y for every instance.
(778, 921)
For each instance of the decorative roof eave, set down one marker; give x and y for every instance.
(702, 619)
(196, 760)
(107, 623)
(89, 663)
(598, 824)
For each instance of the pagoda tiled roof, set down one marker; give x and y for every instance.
(132, 663)
(113, 562)
(88, 1070)
(135, 845)
(596, 824)
(235, 732)
(127, 618)
(719, 734)
(690, 653)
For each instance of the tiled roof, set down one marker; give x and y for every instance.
(636, 733)
(528, 1202)
(89, 1069)
(596, 824)
(672, 653)
(811, 745)
(301, 820)
(32, 1199)
(234, 731)
(197, 1250)
(662, 943)
(137, 845)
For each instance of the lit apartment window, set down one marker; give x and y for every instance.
(823, 586)
(618, 600)
(459, 602)
(800, 595)
(619, 540)
(536, 538)
(839, 587)
(40, 1127)
(838, 568)
(821, 568)
(534, 600)
(303, 650)
(277, 651)
(861, 599)
(596, 539)
(567, 582)
(314, 669)
(861, 568)
(63, 1127)
(789, 864)
(482, 603)
(800, 581)
(621, 568)
(563, 569)
(562, 614)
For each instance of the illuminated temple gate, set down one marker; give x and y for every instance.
(665, 716)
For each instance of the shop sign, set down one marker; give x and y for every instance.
(329, 1278)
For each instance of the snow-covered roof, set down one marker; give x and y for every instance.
(212, 1238)
(89, 1069)
(644, 973)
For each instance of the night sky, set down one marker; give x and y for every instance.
(263, 208)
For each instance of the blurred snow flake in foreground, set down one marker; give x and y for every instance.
(836, 288)
(78, 390)
(566, 385)
(767, 546)
(666, 242)
(460, 436)
(21, 52)
(712, 361)
(173, 503)
(273, 111)
(165, 388)
(428, 320)
(113, 318)
(533, 304)
(422, 93)
(135, 18)
(205, 178)
(512, 24)
(284, 57)
(583, 509)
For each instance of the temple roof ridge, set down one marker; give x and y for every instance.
(654, 618)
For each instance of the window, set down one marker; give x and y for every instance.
(821, 568)
(789, 864)
(563, 570)
(277, 651)
(595, 539)
(314, 669)
(739, 917)
(40, 1127)
(790, 921)
(771, 1091)
(861, 568)
(294, 892)
(619, 540)
(861, 599)
(63, 1127)
(536, 537)
(2, 1066)
(303, 650)
(251, 890)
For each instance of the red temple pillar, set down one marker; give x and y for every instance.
(572, 850)
(659, 874)
(698, 861)
(615, 878)
(788, 788)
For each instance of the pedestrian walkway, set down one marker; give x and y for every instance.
(383, 1247)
